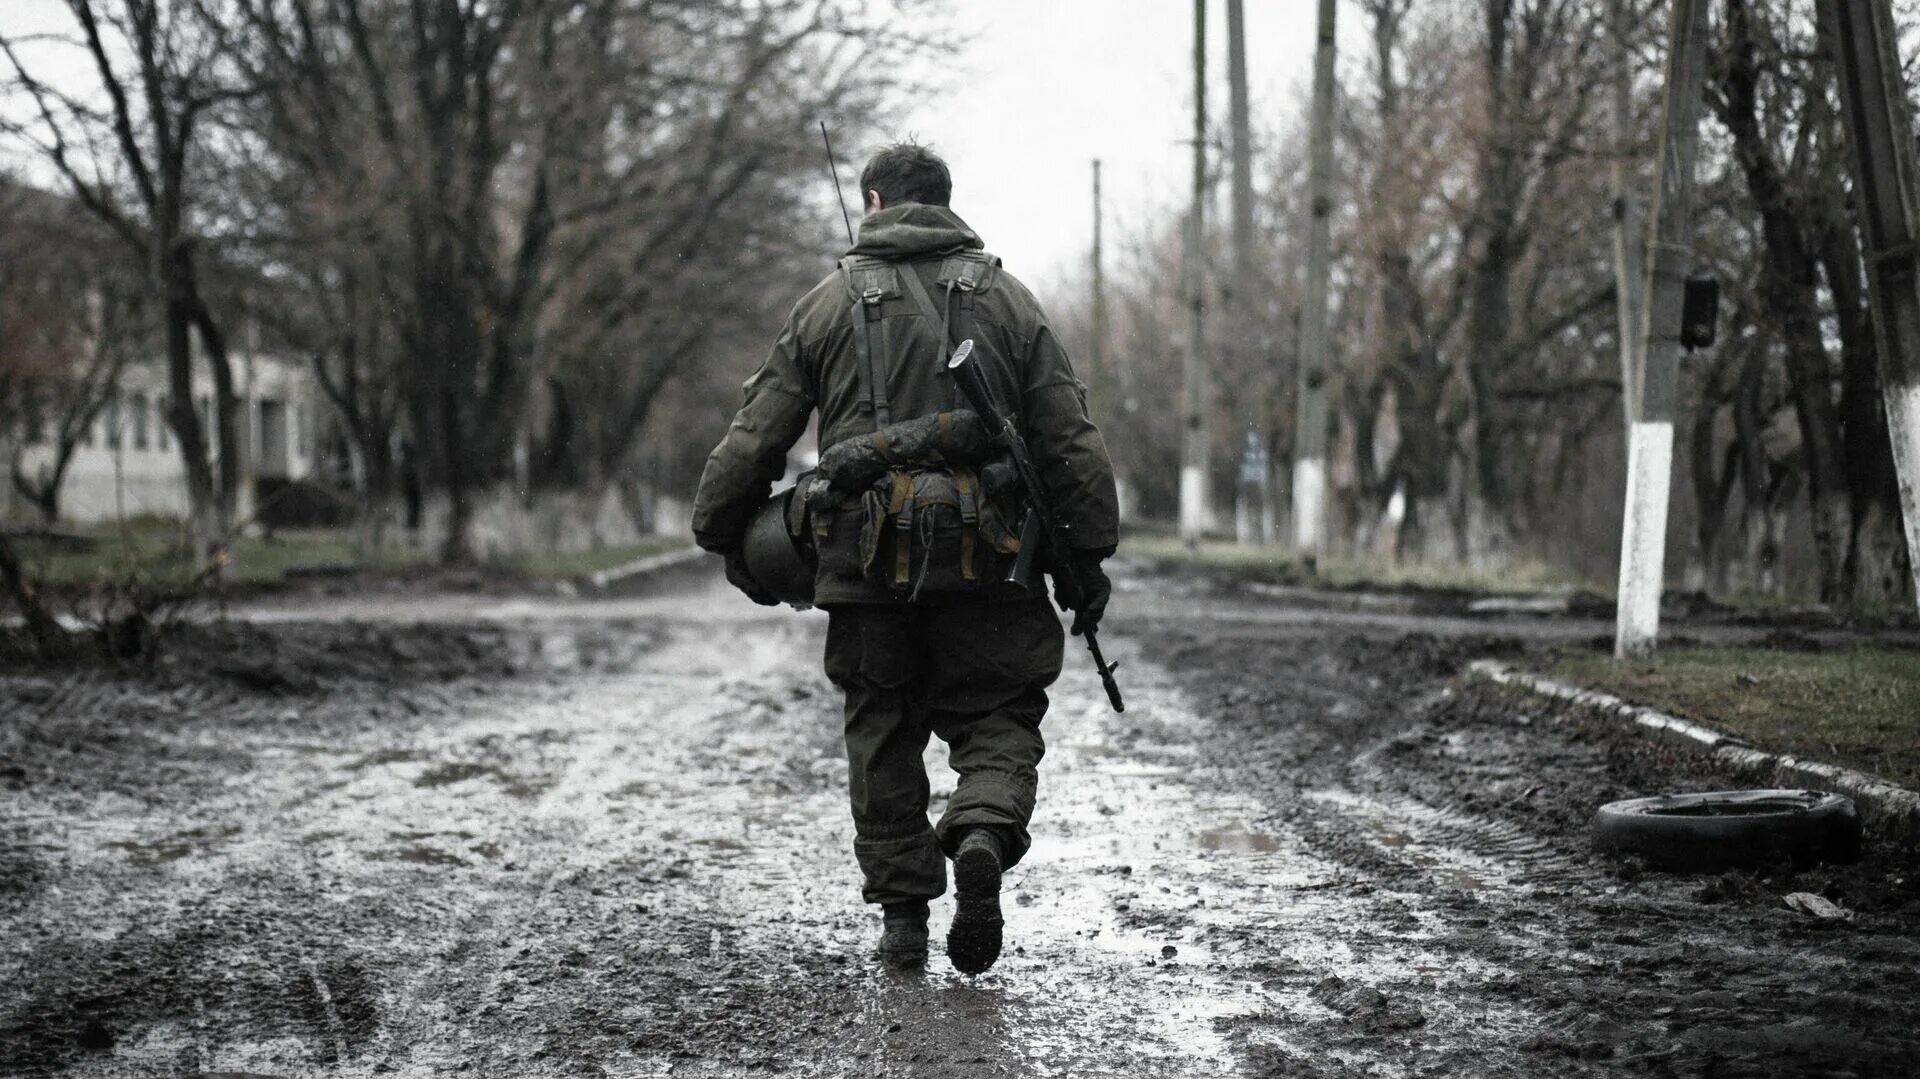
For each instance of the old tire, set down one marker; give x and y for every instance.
(1720, 830)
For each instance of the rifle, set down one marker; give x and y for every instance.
(1069, 591)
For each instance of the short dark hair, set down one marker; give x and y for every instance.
(907, 172)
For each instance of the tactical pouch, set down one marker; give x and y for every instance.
(840, 523)
(939, 532)
(915, 531)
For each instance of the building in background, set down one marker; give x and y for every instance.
(127, 464)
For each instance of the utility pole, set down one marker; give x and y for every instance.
(1879, 122)
(1097, 347)
(1237, 113)
(1643, 538)
(1316, 367)
(1252, 516)
(1099, 376)
(1194, 514)
(1629, 242)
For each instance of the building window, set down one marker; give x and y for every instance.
(163, 423)
(138, 404)
(113, 421)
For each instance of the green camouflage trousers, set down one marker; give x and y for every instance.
(976, 675)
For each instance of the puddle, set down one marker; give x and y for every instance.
(384, 756)
(1390, 838)
(417, 854)
(1458, 878)
(446, 775)
(174, 847)
(1236, 841)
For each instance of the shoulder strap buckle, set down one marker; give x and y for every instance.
(968, 271)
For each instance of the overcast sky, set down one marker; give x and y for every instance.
(1049, 85)
(1045, 87)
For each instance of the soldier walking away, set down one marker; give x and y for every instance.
(913, 519)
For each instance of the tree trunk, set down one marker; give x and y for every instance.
(50, 641)
(205, 530)
(1876, 548)
(1789, 287)
(226, 410)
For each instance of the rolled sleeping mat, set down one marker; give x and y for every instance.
(956, 437)
(777, 561)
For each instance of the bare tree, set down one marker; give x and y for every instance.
(523, 220)
(131, 152)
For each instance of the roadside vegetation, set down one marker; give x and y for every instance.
(1857, 706)
(154, 552)
(1281, 564)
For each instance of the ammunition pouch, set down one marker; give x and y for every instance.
(930, 528)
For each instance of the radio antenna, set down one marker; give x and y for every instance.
(834, 170)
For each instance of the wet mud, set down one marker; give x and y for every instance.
(544, 837)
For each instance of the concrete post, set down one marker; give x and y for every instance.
(1629, 239)
(1643, 539)
(1252, 510)
(1316, 365)
(1195, 514)
(1096, 376)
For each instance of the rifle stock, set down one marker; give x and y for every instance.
(1040, 523)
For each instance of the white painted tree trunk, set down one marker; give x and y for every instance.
(1643, 548)
(1193, 503)
(1903, 430)
(1309, 503)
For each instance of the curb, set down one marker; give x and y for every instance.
(642, 567)
(1887, 811)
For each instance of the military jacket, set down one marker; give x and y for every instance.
(812, 365)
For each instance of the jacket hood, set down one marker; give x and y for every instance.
(911, 230)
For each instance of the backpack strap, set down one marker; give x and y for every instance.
(869, 281)
(965, 483)
(900, 507)
(934, 315)
(969, 271)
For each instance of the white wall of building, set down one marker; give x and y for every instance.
(129, 465)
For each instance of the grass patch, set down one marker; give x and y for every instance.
(1280, 565)
(156, 553)
(1858, 707)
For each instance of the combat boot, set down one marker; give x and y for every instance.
(973, 940)
(903, 934)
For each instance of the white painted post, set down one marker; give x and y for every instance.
(1194, 513)
(1643, 533)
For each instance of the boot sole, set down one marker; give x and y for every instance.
(973, 940)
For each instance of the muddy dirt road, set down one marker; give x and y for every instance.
(547, 838)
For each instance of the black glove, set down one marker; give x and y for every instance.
(738, 577)
(1095, 590)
